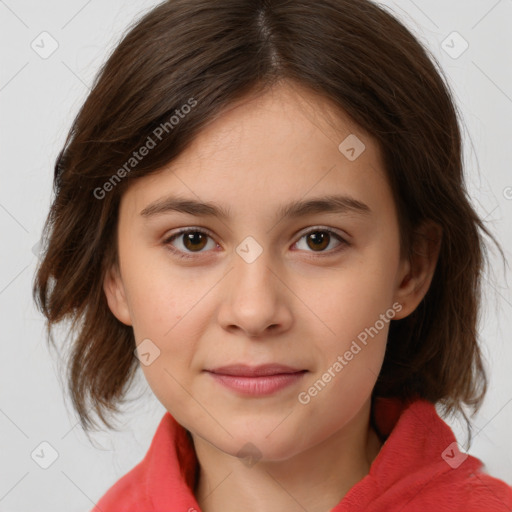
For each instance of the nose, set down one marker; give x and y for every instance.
(255, 298)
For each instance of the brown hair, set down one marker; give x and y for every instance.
(210, 53)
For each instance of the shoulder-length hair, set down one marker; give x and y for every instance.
(207, 54)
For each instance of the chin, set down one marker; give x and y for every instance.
(259, 446)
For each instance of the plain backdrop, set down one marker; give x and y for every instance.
(39, 98)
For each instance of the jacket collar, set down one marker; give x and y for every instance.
(415, 440)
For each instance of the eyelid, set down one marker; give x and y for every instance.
(306, 231)
(342, 234)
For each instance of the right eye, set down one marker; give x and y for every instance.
(190, 241)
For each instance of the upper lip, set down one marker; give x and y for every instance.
(255, 371)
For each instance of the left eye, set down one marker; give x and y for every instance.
(319, 239)
(195, 240)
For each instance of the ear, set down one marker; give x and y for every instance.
(116, 296)
(418, 270)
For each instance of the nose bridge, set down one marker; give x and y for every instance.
(253, 273)
(254, 301)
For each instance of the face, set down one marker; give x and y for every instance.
(256, 280)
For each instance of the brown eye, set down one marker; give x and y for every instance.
(194, 240)
(189, 241)
(318, 240)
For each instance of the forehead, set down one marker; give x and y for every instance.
(285, 145)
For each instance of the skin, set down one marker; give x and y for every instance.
(296, 304)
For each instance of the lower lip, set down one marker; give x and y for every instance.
(258, 386)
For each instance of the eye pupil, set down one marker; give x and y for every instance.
(193, 238)
(320, 239)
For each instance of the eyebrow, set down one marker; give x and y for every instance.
(341, 204)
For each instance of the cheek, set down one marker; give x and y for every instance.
(159, 296)
(167, 309)
(356, 308)
(354, 298)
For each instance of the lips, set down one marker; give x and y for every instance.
(256, 381)
(242, 370)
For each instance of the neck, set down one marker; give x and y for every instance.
(314, 480)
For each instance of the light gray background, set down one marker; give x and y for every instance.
(38, 101)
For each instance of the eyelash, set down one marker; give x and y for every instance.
(185, 255)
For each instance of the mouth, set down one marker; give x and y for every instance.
(260, 380)
(242, 370)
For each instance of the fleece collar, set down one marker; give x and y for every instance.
(418, 468)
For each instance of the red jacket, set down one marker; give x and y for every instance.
(418, 469)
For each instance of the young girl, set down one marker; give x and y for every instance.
(261, 204)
